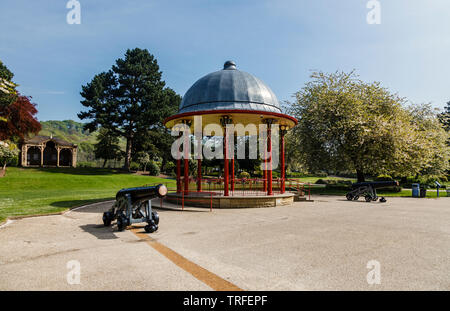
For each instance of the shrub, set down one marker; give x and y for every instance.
(258, 173)
(214, 174)
(344, 182)
(86, 164)
(319, 174)
(384, 178)
(244, 175)
(169, 168)
(134, 166)
(153, 168)
(293, 174)
(337, 186)
(300, 174)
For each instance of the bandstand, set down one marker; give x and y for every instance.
(232, 96)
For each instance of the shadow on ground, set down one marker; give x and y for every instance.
(78, 203)
(99, 231)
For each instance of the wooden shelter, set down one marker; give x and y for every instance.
(48, 151)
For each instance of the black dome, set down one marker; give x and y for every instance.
(229, 89)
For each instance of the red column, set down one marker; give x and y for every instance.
(199, 175)
(179, 175)
(179, 187)
(225, 163)
(186, 176)
(265, 169)
(186, 165)
(283, 170)
(232, 174)
(269, 169)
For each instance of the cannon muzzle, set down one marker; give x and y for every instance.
(143, 193)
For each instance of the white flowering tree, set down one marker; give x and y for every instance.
(7, 153)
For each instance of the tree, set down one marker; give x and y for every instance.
(7, 153)
(157, 139)
(128, 99)
(8, 93)
(143, 159)
(433, 153)
(346, 124)
(21, 119)
(444, 117)
(107, 146)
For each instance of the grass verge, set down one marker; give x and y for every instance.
(30, 191)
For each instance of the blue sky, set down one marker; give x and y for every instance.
(280, 42)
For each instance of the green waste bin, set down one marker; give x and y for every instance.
(415, 190)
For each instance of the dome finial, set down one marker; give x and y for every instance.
(229, 65)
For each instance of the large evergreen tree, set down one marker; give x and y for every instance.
(107, 146)
(157, 140)
(128, 100)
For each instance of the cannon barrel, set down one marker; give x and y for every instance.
(143, 193)
(376, 184)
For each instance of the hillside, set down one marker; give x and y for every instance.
(69, 130)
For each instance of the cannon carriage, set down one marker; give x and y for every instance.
(368, 190)
(133, 205)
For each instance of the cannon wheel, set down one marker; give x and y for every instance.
(155, 217)
(150, 228)
(368, 198)
(107, 218)
(349, 196)
(121, 222)
(356, 197)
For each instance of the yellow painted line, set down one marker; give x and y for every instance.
(212, 280)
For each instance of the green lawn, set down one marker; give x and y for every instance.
(42, 191)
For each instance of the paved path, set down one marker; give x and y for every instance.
(321, 245)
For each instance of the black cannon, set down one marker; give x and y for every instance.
(134, 205)
(368, 190)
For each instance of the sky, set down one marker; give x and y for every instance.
(281, 42)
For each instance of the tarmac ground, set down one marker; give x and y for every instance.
(328, 244)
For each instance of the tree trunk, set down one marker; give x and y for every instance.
(163, 164)
(128, 154)
(104, 163)
(360, 176)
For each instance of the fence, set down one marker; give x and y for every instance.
(248, 186)
(212, 187)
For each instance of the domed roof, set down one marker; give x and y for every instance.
(229, 89)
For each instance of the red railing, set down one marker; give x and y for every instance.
(243, 187)
(248, 186)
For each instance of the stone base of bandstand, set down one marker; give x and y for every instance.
(218, 200)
